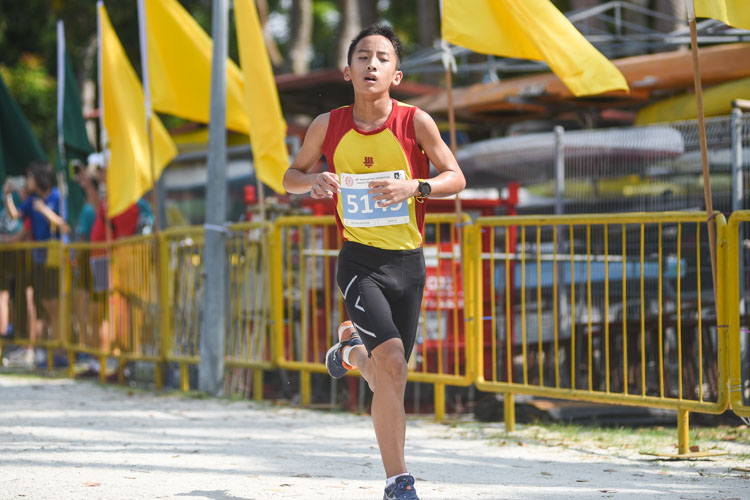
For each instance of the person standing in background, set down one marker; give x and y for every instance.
(43, 208)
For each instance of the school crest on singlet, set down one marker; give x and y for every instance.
(358, 158)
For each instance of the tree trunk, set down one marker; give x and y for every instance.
(273, 49)
(301, 22)
(429, 24)
(368, 12)
(350, 25)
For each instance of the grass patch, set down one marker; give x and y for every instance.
(592, 437)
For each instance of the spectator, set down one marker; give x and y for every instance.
(120, 226)
(42, 207)
(90, 185)
(83, 324)
(11, 231)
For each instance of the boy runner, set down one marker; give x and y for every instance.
(378, 152)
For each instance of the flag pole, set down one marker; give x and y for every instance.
(149, 115)
(143, 39)
(449, 63)
(62, 187)
(703, 145)
(60, 132)
(103, 146)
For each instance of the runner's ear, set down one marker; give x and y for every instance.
(397, 78)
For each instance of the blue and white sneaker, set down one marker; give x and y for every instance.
(402, 489)
(348, 336)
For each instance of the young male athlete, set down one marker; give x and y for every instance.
(378, 152)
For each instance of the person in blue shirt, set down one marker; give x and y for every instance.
(42, 206)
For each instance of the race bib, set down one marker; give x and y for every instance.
(360, 210)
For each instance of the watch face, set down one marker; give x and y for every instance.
(425, 189)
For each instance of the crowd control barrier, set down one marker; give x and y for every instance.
(611, 308)
(603, 308)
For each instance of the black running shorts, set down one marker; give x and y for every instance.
(382, 291)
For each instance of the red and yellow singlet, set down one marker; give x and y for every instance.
(358, 157)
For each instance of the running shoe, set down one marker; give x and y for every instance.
(402, 489)
(347, 336)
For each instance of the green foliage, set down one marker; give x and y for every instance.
(324, 34)
(404, 18)
(36, 94)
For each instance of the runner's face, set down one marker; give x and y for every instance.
(374, 66)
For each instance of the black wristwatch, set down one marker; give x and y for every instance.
(423, 189)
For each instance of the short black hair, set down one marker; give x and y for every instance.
(377, 29)
(44, 177)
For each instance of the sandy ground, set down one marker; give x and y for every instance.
(63, 439)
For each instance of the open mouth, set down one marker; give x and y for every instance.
(371, 79)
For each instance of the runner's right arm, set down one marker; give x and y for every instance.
(298, 179)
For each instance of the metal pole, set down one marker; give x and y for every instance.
(62, 187)
(737, 181)
(563, 310)
(559, 170)
(738, 190)
(143, 38)
(211, 364)
(104, 146)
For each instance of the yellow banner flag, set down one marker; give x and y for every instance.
(267, 125)
(732, 12)
(531, 29)
(179, 66)
(129, 171)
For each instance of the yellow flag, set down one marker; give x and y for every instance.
(267, 125)
(531, 29)
(179, 66)
(129, 171)
(732, 12)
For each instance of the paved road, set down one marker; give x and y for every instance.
(63, 439)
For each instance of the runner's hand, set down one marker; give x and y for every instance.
(324, 185)
(389, 192)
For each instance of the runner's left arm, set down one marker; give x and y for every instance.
(449, 181)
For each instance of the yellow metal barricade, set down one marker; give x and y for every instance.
(30, 277)
(609, 308)
(182, 265)
(88, 330)
(134, 300)
(112, 306)
(308, 306)
(735, 287)
(247, 333)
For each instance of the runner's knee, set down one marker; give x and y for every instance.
(392, 364)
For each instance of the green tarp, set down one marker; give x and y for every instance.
(18, 146)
